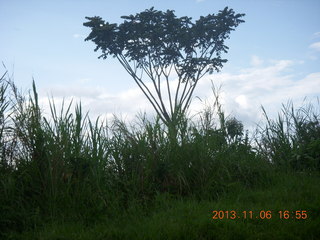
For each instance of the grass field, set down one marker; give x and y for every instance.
(67, 177)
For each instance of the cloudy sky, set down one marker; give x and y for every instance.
(273, 57)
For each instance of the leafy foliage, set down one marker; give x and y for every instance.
(157, 43)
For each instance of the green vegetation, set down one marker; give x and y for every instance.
(67, 177)
(153, 45)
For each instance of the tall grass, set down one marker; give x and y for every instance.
(292, 141)
(66, 167)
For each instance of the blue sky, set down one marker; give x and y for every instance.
(273, 57)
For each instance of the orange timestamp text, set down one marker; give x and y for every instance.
(262, 214)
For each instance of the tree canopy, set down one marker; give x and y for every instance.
(158, 43)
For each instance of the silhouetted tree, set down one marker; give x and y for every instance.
(154, 45)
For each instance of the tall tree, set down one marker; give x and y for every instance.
(154, 45)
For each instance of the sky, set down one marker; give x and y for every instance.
(273, 57)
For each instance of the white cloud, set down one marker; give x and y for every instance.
(246, 91)
(316, 35)
(242, 101)
(315, 46)
(77, 35)
(243, 93)
(256, 61)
